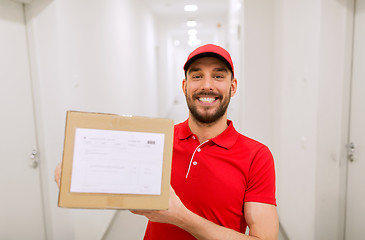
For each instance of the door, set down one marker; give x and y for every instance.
(355, 210)
(21, 215)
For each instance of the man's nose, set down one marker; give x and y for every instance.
(207, 83)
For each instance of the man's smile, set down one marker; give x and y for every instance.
(207, 99)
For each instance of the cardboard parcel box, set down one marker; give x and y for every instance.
(116, 162)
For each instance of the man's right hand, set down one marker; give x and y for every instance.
(57, 174)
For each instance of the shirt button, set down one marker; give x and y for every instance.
(195, 163)
(198, 149)
(194, 137)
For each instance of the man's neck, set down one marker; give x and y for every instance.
(205, 131)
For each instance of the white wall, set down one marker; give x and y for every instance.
(333, 114)
(257, 70)
(235, 46)
(88, 56)
(296, 63)
(296, 75)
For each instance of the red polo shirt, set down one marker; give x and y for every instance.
(215, 178)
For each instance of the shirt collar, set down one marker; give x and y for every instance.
(185, 131)
(226, 139)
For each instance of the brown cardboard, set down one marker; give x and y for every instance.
(106, 200)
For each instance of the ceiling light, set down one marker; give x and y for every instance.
(190, 8)
(191, 23)
(193, 32)
(194, 42)
(193, 39)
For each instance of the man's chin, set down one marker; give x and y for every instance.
(207, 114)
(206, 118)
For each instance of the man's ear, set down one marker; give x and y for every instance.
(233, 87)
(184, 82)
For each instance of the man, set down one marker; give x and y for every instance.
(221, 181)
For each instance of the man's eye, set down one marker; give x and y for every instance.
(219, 76)
(196, 76)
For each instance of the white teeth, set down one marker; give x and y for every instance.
(206, 99)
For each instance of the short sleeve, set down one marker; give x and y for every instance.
(261, 178)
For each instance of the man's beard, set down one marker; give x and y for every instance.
(205, 117)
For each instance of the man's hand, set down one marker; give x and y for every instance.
(172, 215)
(57, 174)
(261, 218)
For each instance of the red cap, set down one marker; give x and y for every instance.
(210, 50)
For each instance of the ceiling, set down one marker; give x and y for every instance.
(210, 16)
(175, 8)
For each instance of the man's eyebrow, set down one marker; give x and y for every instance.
(221, 69)
(194, 70)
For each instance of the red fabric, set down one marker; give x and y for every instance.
(209, 50)
(230, 169)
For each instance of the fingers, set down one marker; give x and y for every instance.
(143, 212)
(57, 175)
(138, 212)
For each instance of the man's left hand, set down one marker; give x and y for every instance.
(172, 215)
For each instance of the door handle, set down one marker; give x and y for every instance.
(351, 151)
(34, 158)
